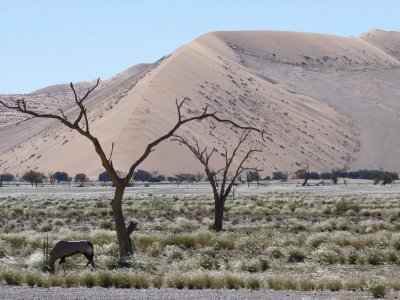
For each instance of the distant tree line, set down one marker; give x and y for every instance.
(7, 177)
(361, 174)
(146, 176)
(35, 177)
(59, 177)
(279, 176)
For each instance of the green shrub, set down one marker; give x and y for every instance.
(376, 257)
(217, 281)
(330, 254)
(395, 284)
(306, 285)
(253, 283)
(203, 239)
(233, 282)
(55, 280)
(88, 280)
(317, 240)
(333, 284)
(296, 255)
(70, 280)
(279, 283)
(198, 281)
(33, 279)
(177, 281)
(209, 263)
(224, 243)
(355, 285)
(396, 244)
(12, 277)
(255, 265)
(175, 255)
(344, 205)
(139, 281)
(143, 242)
(46, 227)
(157, 282)
(16, 241)
(378, 290)
(276, 253)
(104, 279)
(181, 240)
(392, 257)
(107, 225)
(121, 280)
(353, 257)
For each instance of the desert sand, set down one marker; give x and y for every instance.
(323, 100)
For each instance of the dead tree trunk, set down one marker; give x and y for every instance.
(219, 214)
(306, 174)
(124, 240)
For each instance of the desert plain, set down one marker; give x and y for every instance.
(325, 101)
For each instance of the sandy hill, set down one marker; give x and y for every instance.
(325, 100)
(387, 41)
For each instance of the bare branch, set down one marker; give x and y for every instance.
(75, 94)
(24, 120)
(86, 120)
(219, 171)
(20, 106)
(62, 114)
(111, 152)
(262, 132)
(90, 90)
(8, 106)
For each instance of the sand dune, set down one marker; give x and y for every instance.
(387, 41)
(325, 100)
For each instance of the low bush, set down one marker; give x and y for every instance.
(13, 277)
(104, 279)
(88, 279)
(333, 285)
(255, 265)
(33, 279)
(378, 290)
(157, 282)
(253, 283)
(376, 257)
(280, 283)
(177, 281)
(296, 255)
(233, 282)
(330, 254)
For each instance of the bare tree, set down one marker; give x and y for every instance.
(120, 181)
(226, 183)
(33, 177)
(81, 178)
(304, 174)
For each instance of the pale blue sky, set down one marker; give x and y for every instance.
(45, 42)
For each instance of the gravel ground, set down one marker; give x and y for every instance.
(13, 292)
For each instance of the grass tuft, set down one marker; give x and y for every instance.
(378, 290)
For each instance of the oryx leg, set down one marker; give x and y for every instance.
(90, 260)
(62, 261)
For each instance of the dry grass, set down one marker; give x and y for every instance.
(301, 240)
